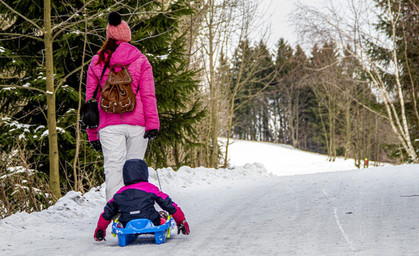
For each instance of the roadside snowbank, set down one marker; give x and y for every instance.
(77, 205)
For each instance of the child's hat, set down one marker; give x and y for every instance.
(117, 28)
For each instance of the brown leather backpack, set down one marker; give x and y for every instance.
(117, 94)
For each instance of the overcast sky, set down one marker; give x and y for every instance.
(279, 12)
(276, 12)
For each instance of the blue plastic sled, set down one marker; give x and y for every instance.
(137, 227)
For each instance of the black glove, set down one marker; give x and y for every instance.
(184, 228)
(96, 145)
(151, 134)
(100, 234)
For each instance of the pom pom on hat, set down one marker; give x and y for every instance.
(117, 28)
(114, 18)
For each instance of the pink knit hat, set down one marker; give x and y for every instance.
(117, 28)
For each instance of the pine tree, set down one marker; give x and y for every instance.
(326, 88)
(261, 102)
(175, 83)
(253, 73)
(242, 117)
(35, 67)
(23, 103)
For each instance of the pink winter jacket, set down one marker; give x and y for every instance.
(145, 112)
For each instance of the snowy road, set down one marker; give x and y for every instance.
(348, 213)
(366, 212)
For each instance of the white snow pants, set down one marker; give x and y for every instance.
(120, 143)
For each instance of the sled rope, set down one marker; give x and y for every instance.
(157, 173)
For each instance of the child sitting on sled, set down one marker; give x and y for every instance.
(136, 201)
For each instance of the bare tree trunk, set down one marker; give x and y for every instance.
(332, 128)
(229, 127)
(297, 112)
(358, 153)
(230, 120)
(239, 86)
(369, 136)
(213, 94)
(326, 137)
(77, 177)
(291, 117)
(348, 129)
(377, 141)
(54, 173)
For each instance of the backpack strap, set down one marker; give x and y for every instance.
(101, 76)
(138, 87)
(103, 72)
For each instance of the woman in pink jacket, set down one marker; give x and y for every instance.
(122, 136)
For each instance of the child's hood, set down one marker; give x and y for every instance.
(134, 171)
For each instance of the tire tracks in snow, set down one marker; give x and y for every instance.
(342, 231)
(338, 223)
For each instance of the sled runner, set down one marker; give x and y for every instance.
(137, 227)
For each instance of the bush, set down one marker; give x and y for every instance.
(21, 188)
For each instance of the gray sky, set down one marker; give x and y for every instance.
(279, 12)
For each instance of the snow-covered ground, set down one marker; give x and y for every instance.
(248, 210)
(281, 160)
